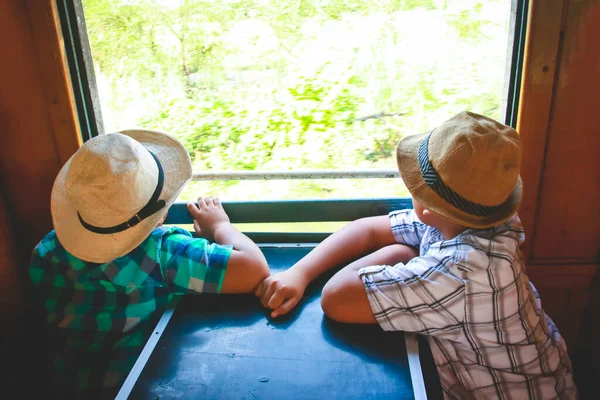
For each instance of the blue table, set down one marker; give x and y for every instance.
(227, 347)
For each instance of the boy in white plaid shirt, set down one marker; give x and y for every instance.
(466, 287)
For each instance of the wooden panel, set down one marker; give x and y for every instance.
(55, 81)
(539, 70)
(578, 277)
(568, 225)
(564, 291)
(33, 140)
(36, 137)
(587, 357)
(9, 294)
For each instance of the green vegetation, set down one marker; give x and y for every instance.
(295, 84)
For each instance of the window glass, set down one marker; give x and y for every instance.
(296, 84)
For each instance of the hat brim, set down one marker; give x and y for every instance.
(407, 157)
(102, 248)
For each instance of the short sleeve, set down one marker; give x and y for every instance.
(421, 296)
(406, 227)
(36, 271)
(40, 261)
(193, 265)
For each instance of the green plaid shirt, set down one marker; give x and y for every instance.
(100, 315)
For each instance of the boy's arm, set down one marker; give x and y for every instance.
(344, 298)
(349, 243)
(247, 265)
(282, 292)
(421, 296)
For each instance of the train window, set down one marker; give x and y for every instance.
(292, 100)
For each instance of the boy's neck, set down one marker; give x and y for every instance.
(450, 233)
(449, 229)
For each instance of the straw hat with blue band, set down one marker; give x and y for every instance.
(466, 170)
(114, 190)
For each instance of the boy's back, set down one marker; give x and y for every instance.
(471, 297)
(106, 272)
(466, 288)
(100, 314)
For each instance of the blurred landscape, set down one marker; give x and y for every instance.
(298, 84)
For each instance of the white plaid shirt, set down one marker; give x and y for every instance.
(471, 297)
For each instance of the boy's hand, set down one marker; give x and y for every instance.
(281, 292)
(208, 216)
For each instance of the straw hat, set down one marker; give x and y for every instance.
(466, 170)
(114, 190)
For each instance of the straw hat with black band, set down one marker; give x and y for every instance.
(114, 190)
(466, 170)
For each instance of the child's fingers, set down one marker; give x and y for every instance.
(285, 307)
(260, 289)
(266, 297)
(201, 203)
(193, 209)
(217, 201)
(276, 299)
(197, 227)
(208, 201)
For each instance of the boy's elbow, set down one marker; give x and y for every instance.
(256, 271)
(260, 271)
(244, 273)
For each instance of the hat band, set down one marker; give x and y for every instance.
(433, 180)
(150, 208)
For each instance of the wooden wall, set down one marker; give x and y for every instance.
(560, 129)
(9, 284)
(38, 132)
(37, 125)
(558, 121)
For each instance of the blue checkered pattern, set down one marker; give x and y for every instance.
(100, 315)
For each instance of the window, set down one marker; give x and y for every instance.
(282, 86)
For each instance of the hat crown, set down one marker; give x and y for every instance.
(477, 157)
(110, 179)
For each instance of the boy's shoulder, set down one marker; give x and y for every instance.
(511, 230)
(51, 247)
(163, 230)
(404, 213)
(48, 242)
(477, 247)
(406, 218)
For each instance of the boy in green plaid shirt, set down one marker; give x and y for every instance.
(108, 270)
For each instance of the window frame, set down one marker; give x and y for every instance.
(87, 104)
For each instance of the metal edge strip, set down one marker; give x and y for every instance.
(144, 356)
(414, 364)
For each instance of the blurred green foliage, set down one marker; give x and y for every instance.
(296, 84)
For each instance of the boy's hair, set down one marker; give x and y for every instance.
(114, 190)
(466, 170)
